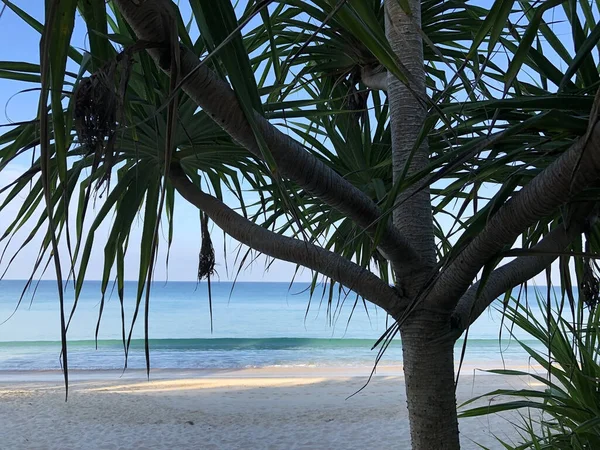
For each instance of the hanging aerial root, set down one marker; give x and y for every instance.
(206, 265)
(95, 109)
(590, 285)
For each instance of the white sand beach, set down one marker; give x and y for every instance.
(245, 409)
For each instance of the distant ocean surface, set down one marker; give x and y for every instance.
(255, 325)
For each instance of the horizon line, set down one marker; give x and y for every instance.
(163, 281)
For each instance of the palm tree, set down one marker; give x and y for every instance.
(357, 123)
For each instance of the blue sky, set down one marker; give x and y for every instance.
(21, 43)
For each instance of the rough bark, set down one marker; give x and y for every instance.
(413, 216)
(374, 78)
(294, 162)
(351, 275)
(428, 352)
(477, 298)
(428, 358)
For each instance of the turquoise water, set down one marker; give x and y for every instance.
(254, 325)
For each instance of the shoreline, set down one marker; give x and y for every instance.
(468, 368)
(287, 408)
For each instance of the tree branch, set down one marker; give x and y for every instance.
(575, 170)
(476, 300)
(345, 272)
(375, 78)
(294, 162)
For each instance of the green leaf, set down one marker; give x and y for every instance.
(584, 58)
(492, 26)
(525, 45)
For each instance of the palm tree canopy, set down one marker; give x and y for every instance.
(507, 97)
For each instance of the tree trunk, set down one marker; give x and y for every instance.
(413, 216)
(428, 360)
(429, 378)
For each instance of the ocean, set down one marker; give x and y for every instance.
(254, 325)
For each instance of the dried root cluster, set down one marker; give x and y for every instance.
(99, 109)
